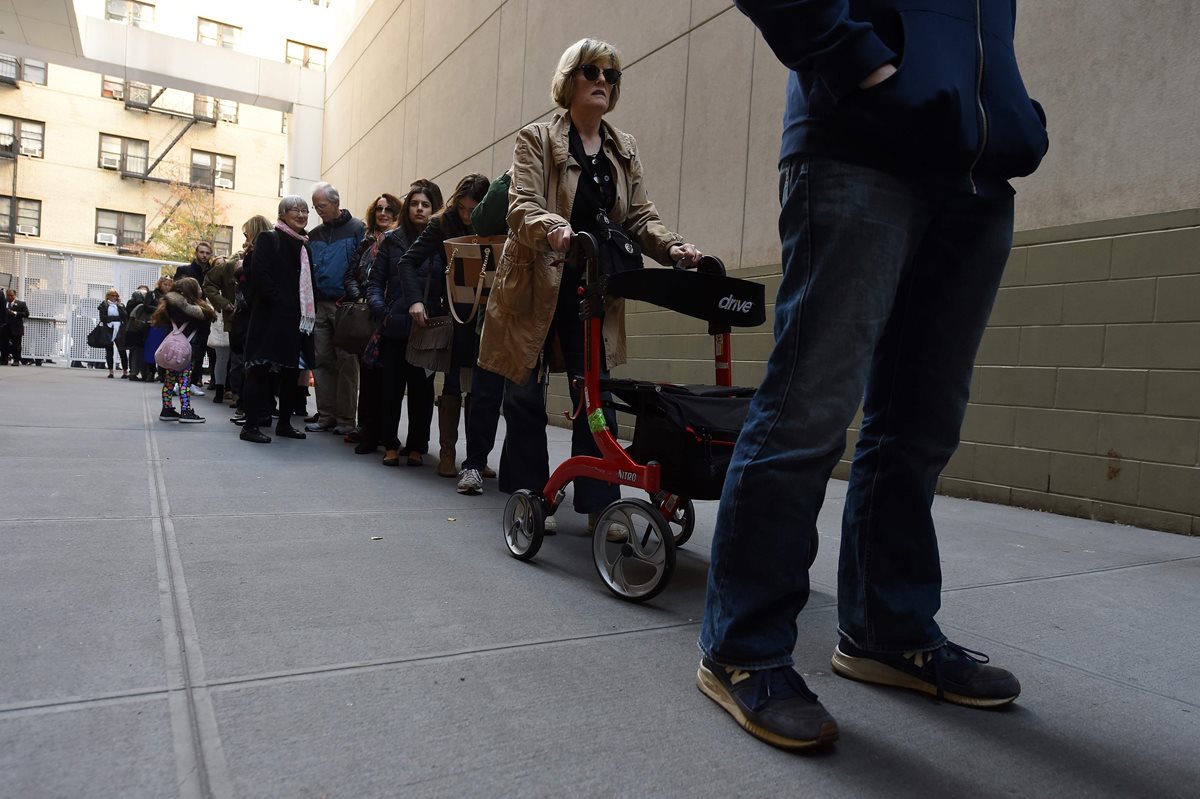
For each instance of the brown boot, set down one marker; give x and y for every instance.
(449, 409)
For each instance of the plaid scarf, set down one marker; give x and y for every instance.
(308, 308)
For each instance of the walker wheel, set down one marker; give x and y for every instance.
(681, 519)
(524, 524)
(633, 549)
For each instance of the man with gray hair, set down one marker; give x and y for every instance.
(336, 372)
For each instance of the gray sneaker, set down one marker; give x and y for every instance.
(343, 429)
(317, 427)
(470, 482)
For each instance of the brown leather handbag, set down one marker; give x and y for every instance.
(470, 271)
(429, 345)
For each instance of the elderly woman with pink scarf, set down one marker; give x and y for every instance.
(282, 315)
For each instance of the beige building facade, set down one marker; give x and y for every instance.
(100, 158)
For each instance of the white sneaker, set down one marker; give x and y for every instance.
(471, 482)
(551, 526)
(196, 391)
(617, 533)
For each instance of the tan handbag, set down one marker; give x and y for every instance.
(470, 271)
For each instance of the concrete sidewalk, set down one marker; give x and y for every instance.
(185, 614)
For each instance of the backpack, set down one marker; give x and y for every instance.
(175, 352)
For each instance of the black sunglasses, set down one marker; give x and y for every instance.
(590, 72)
(382, 209)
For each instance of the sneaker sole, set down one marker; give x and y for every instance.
(872, 671)
(711, 687)
(192, 421)
(470, 492)
(168, 419)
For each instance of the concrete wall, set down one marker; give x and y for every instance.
(1087, 397)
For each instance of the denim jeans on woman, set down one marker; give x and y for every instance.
(887, 288)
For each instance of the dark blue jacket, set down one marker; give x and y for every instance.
(332, 244)
(956, 113)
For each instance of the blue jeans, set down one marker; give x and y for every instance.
(886, 290)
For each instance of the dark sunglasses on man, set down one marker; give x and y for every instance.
(590, 72)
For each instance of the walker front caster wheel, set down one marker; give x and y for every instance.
(680, 516)
(633, 549)
(524, 524)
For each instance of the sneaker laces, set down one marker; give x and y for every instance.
(936, 658)
(771, 685)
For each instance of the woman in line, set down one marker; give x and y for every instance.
(155, 335)
(282, 316)
(453, 221)
(382, 217)
(183, 307)
(594, 176)
(136, 327)
(113, 316)
(386, 293)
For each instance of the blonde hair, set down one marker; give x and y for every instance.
(111, 293)
(255, 225)
(584, 51)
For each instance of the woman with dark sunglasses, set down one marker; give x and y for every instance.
(574, 174)
(381, 217)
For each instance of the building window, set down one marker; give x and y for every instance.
(212, 109)
(127, 155)
(284, 124)
(223, 241)
(130, 12)
(34, 71)
(213, 169)
(118, 228)
(25, 135)
(281, 180)
(217, 34)
(29, 216)
(13, 69)
(305, 55)
(112, 86)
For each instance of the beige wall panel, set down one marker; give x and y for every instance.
(1111, 479)
(417, 66)
(502, 155)
(410, 144)
(379, 162)
(653, 91)
(339, 111)
(510, 68)
(760, 234)
(1065, 431)
(479, 163)
(1172, 488)
(1174, 394)
(460, 104)
(635, 27)
(1118, 81)
(1178, 299)
(448, 26)
(1150, 438)
(712, 198)
(704, 10)
(383, 69)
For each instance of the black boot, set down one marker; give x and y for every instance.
(254, 435)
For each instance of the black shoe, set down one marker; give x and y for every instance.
(949, 672)
(190, 417)
(365, 448)
(289, 432)
(773, 705)
(254, 435)
(168, 415)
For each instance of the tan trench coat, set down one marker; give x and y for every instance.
(525, 293)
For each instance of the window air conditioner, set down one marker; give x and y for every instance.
(223, 183)
(110, 162)
(27, 230)
(118, 94)
(30, 150)
(106, 238)
(229, 116)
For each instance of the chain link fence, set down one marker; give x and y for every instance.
(63, 289)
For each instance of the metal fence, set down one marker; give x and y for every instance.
(63, 289)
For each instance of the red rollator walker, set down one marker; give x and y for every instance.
(683, 436)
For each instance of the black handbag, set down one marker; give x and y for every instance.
(617, 252)
(352, 326)
(100, 337)
(429, 345)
